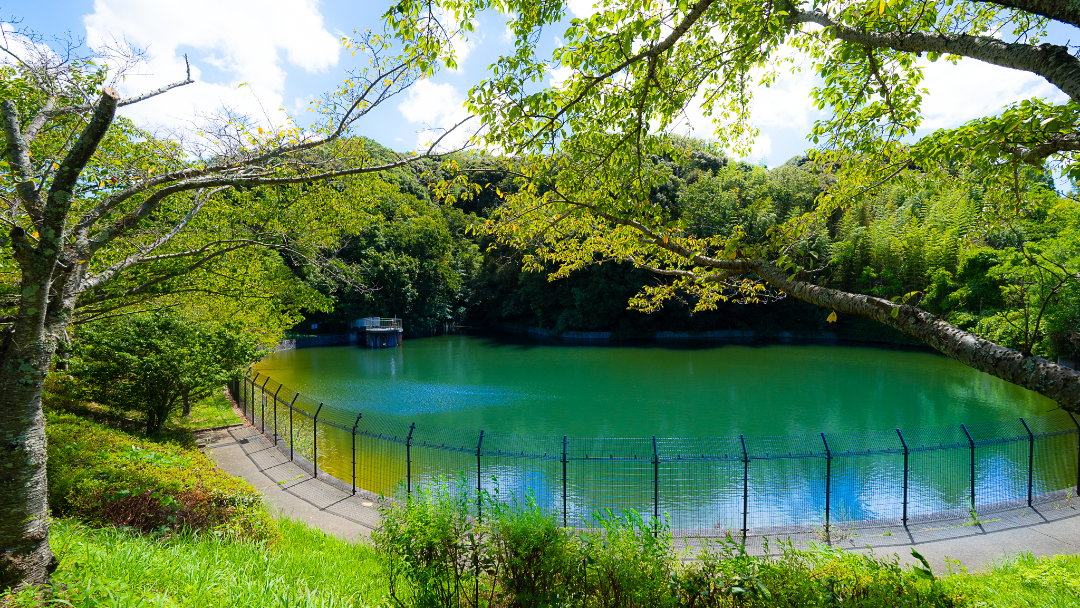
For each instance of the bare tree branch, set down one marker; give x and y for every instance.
(1053, 62)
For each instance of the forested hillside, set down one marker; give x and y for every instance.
(923, 239)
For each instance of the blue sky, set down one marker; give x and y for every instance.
(287, 51)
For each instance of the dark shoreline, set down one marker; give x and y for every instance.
(681, 340)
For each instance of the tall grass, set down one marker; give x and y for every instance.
(107, 567)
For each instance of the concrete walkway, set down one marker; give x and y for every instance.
(1047, 529)
(287, 489)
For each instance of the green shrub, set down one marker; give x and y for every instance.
(429, 548)
(436, 553)
(629, 561)
(106, 476)
(822, 576)
(150, 364)
(537, 562)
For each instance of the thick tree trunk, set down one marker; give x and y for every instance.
(25, 555)
(187, 403)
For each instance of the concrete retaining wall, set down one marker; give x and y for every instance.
(315, 341)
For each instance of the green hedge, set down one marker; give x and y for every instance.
(108, 477)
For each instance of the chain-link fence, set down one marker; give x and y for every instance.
(707, 486)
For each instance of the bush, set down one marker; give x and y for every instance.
(427, 543)
(106, 476)
(822, 576)
(538, 562)
(436, 553)
(629, 561)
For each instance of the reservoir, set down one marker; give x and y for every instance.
(515, 386)
(714, 439)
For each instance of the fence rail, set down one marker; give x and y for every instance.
(708, 486)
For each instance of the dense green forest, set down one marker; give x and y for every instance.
(923, 240)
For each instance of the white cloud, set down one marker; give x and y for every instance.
(558, 76)
(784, 106)
(970, 89)
(242, 39)
(435, 107)
(761, 149)
(583, 8)
(462, 49)
(507, 35)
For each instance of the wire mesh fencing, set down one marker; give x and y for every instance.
(708, 486)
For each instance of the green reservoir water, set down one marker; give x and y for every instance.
(507, 386)
(717, 438)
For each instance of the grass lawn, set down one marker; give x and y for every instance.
(214, 410)
(112, 567)
(1046, 582)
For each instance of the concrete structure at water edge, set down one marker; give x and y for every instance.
(376, 331)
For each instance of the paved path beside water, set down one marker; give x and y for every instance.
(287, 489)
(1048, 529)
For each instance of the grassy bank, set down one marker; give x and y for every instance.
(305, 568)
(106, 567)
(151, 522)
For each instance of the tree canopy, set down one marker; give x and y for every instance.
(590, 151)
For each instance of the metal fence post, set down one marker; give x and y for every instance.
(292, 406)
(262, 390)
(904, 443)
(275, 413)
(358, 417)
(971, 444)
(248, 405)
(828, 482)
(408, 459)
(1031, 457)
(315, 442)
(479, 503)
(745, 487)
(656, 488)
(1077, 451)
(564, 481)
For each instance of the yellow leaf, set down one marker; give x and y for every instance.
(881, 7)
(55, 166)
(260, 130)
(832, 317)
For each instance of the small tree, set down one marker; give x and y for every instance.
(153, 363)
(85, 211)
